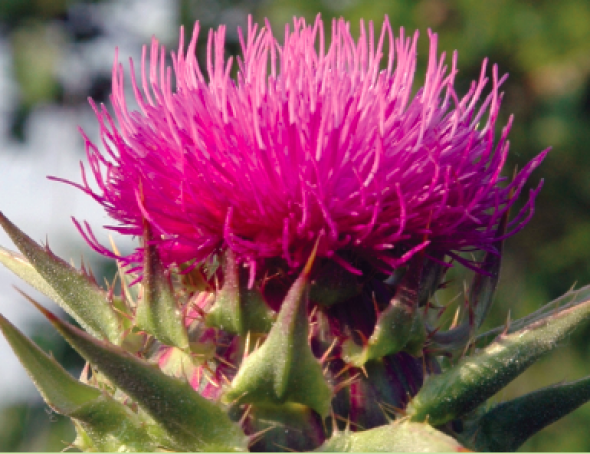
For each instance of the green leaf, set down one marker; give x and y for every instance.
(76, 293)
(286, 427)
(483, 286)
(128, 291)
(398, 327)
(110, 425)
(83, 442)
(395, 437)
(284, 368)
(417, 338)
(237, 308)
(481, 298)
(20, 266)
(157, 312)
(395, 325)
(432, 274)
(391, 333)
(568, 300)
(473, 380)
(509, 424)
(192, 422)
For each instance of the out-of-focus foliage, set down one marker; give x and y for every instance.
(39, 34)
(543, 44)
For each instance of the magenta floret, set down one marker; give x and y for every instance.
(308, 142)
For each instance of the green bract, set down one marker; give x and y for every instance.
(176, 378)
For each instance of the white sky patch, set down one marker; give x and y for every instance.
(43, 208)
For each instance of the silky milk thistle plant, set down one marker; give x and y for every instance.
(295, 223)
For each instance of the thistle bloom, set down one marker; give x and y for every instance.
(315, 155)
(310, 143)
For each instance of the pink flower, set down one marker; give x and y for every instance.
(309, 142)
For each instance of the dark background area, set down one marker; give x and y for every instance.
(54, 48)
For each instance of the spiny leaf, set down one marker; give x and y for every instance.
(432, 273)
(509, 424)
(483, 286)
(157, 312)
(570, 299)
(481, 298)
(418, 336)
(226, 313)
(392, 332)
(285, 427)
(238, 309)
(284, 368)
(20, 266)
(109, 424)
(465, 386)
(394, 325)
(395, 437)
(77, 294)
(131, 292)
(192, 422)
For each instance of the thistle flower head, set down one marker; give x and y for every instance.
(311, 143)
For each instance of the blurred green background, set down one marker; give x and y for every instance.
(51, 58)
